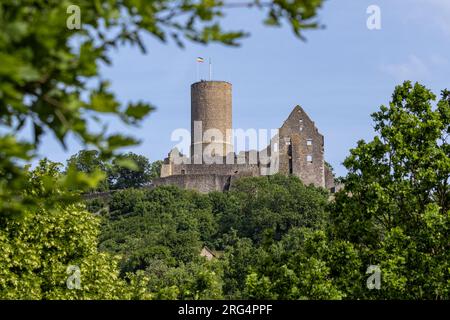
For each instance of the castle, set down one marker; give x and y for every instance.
(296, 149)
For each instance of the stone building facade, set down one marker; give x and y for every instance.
(297, 149)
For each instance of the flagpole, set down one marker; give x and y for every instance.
(210, 69)
(197, 71)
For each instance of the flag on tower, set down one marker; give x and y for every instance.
(200, 59)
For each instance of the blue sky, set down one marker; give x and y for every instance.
(339, 76)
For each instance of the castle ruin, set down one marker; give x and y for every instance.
(297, 149)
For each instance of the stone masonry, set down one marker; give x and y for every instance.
(297, 149)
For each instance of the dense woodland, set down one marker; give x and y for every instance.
(273, 237)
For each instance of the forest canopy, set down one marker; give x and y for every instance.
(271, 237)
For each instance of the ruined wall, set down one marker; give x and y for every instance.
(329, 179)
(298, 149)
(201, 182)
(300, 152)
(219, 169)
(302, 149)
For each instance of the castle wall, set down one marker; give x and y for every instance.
(220, 169)
(302, 149)
(201, 182)
(298, 149)
(329, 179)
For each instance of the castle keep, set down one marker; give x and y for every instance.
(297, 149)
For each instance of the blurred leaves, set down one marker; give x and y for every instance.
(38, 248)
(49, 74)
(50, 84)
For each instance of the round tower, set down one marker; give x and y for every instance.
(211, 118)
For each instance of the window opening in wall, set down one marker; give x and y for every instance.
(291, 170)
(309, 158)
(287, 141)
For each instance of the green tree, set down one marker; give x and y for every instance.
(89, 161)
(155, 169)
(239, 257)
(161, 232)
(199, 279)
(396, 203)
(38, 249)
(265, 208)
(273, 230)
(305, 264)
(49, 75)
(129, 171)
(50, 81)
(165, 223)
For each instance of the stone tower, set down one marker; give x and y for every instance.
(297, 149)
(211, 118)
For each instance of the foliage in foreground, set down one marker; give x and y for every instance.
(279, 239)
(40, 251)
(396, 205)
(50, 84)
(261, 230)
(50, 81)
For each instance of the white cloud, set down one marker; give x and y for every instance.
(416, 68)
(413, 69)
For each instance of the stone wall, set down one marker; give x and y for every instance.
(299, 147)
(329, 179)
(211, 103)
(201, 182)
(302, 149)
(219, 169)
